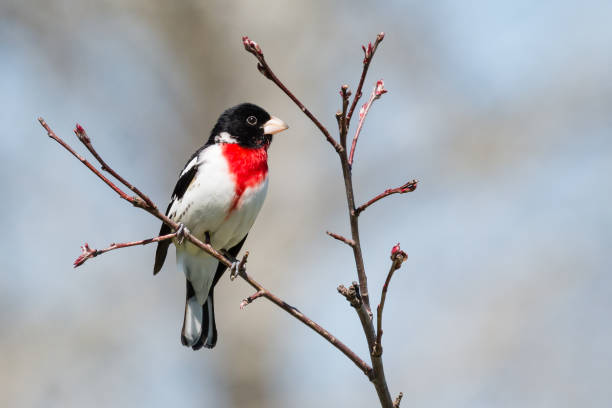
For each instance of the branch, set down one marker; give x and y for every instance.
(88, 253)
(263, 292)
(406, 188)
(140, 202)
(136, 201)
(397, 257)
(363, 309)
(368, 55)
(377, 92)
(263, 67)
(339, 237)
(353, 295)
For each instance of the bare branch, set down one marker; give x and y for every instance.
(88, 253)
(339, 237)
(367, 59)
(263, 292)
(352, 294)
(263, 67)
(406, 188)
(397, 257)
(377, 92)
(357, 293)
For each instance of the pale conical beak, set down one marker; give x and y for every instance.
(274, 125)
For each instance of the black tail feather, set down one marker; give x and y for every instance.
(208, 337)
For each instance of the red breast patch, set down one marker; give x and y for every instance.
(249, 167)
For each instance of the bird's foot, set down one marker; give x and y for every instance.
(238, 266)
(181, 232)
(234, 269)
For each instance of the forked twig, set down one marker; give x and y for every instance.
(88, 252)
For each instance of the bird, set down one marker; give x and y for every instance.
(217, 197)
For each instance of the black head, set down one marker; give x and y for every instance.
(246, 124)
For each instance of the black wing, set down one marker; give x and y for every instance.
(179, 190)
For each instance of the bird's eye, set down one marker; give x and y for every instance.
(252, 120)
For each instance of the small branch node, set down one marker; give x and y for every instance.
(251, 298)
(398, 256)
(138, 202)
(81, 134)
(377, 350)
(251, 46)
(86, 253)
(397, 401)
(351, 294)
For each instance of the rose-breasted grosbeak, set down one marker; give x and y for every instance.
(217, 197)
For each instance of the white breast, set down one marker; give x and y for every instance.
(206, 204)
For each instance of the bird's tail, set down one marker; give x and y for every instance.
(199, 328)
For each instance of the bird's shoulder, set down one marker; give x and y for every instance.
(191, 169)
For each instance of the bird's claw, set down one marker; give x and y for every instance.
(234, 270)
(181, 232)
(238, 266)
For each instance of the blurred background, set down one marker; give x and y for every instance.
(500, 109)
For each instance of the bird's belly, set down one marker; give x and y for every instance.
(215, 210)
(241, 217)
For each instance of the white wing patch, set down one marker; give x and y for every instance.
(189, 165)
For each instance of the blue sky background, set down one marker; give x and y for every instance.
(500, 109)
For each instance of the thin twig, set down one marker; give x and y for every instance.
(397, 257)
(368, 55)
(342, 121)
(88, 252)
(263, 67)
(363, 366)
(406, 188)
(377, 92)
(339, 237)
